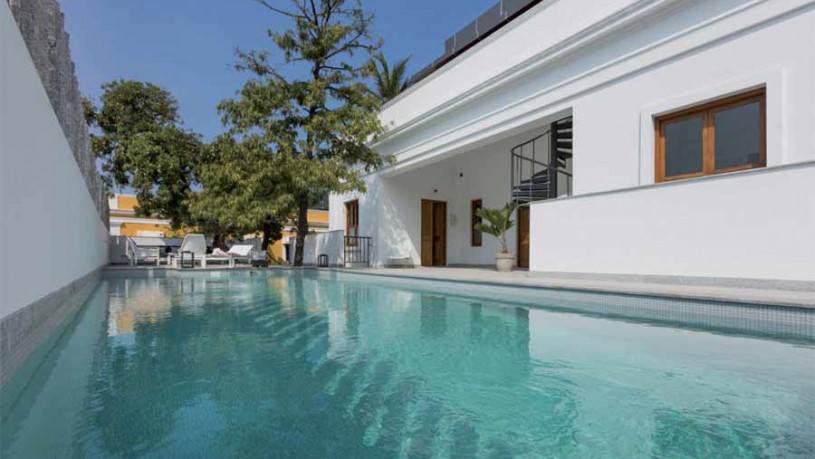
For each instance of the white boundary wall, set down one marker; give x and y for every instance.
(51, 233)
(329, 243)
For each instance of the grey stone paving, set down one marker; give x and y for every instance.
(750, 291)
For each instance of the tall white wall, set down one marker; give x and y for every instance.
(50, 230)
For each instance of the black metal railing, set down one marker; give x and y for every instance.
(541, 166)
(357, 250)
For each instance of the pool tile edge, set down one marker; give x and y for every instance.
(735, 295)
(23, 332)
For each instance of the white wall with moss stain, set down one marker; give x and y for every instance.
(51, 233)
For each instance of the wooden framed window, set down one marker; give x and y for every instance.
(722, 136)
(352, 218)
(476, 237)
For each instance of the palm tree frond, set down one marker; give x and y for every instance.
(389, 81)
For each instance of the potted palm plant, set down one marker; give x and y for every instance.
(496, 222)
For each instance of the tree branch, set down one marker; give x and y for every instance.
(280, 11)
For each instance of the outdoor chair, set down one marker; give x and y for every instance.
(242, 252)
(137, 253)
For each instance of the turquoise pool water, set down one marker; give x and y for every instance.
(309, 365)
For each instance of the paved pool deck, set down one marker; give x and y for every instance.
(799, 294)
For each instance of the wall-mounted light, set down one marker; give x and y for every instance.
(435, 191)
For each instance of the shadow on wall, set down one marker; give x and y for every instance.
(390, 211)
(395, 237)
(329, 243)
(382, 219)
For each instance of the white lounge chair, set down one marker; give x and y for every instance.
(242, 252)
(197, 245)
(145, 251)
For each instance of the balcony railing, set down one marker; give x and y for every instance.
(357, 251)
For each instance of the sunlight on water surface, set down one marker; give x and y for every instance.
(310, 366)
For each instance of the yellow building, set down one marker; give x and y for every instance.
(124, 222)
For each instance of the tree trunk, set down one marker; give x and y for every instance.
(302, 229)
(219, 241)
(267, 238)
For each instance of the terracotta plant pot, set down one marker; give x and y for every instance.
(504, 262)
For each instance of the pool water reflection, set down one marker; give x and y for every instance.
(304, 365)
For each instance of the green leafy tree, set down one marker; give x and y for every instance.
(390, 82)
(496, 223)
(321, 120)
(141, 145)
(242, 190)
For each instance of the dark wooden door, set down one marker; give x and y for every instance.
(434, 233)
(523, 237)
(427, 233)
(439, 234)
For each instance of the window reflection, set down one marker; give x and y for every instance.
(683, 147)
(738, 139)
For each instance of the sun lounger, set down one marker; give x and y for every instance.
(245, 252)
(196, 246)
(142, 250)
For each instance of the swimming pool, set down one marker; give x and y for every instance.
(308, 364)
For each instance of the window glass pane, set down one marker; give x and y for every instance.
(683, 146)
(738, 136)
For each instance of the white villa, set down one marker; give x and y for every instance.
(661, 137)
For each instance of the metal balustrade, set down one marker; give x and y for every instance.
(357, 250)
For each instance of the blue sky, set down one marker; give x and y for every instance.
(187, 46)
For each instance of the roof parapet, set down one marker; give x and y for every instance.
(493, 19)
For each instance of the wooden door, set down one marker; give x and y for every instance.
(427, 233)
(523, 237)
(439, 234)
(434, 233)
(352, 218)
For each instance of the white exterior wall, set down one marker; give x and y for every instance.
(758, 224)
(390, 211)
(50, 231)
(615, 64)
(329, 243)
(630, 60)
(614, 133)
